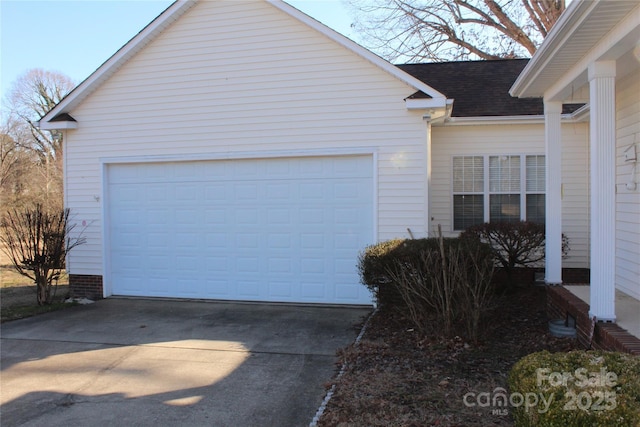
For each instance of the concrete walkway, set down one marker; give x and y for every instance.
(627, 308)
(156, 363)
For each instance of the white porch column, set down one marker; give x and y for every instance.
(553, 198)
(428, 220)
(602, 135)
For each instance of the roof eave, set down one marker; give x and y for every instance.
(573, 16)
(574, 117)
(427, 103)
(57, 125)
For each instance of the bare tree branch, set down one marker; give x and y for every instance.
(32, 96)
(39, 177)
(512, 29)
(438, 30)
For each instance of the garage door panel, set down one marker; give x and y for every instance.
(250, 289)
(218, 288)
(216, 241)
(279, 190)
(157, 193)
(311, 241)
(279, 217)
(346, 291)
(315, 291)
(273, 230)
(160, 217)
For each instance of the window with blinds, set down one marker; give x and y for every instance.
(468, 190)
(504, 188)
(535, 190)
(498, 188)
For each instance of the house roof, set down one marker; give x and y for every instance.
(177, 9)
(581, 26)
(479, 88)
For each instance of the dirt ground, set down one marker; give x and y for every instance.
(397, 377)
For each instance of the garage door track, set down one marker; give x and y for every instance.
(151, 362)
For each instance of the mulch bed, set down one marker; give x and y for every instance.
(397, 377)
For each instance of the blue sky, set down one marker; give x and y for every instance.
(76, 37)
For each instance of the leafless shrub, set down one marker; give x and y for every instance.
(37, 242)
(452, 282)
(514, 244)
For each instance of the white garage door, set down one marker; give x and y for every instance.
(258, 230)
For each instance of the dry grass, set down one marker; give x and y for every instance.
(10, 278)
(18, 295)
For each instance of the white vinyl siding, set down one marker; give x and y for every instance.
(628, 201)
(235, 79)
(450, 141)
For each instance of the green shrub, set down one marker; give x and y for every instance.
(377, 260)
(584, 388)
(372, 264)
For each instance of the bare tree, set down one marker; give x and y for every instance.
(37, 242)
(32, 96)
(17, 168)
(9, 160)
(439, 30)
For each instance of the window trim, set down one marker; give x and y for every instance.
(486, 193)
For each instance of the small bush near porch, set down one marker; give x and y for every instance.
(578, 388)
(444, 280)
(514, 244)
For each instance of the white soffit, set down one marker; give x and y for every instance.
(578, 30)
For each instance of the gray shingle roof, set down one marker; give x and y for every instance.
(479, 88)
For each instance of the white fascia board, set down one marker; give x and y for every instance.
(67, 124)
(563, 29)
(359, 50)
(426, 103)
(109, 67)
(494, 120)
(581, 114)
(507, 120)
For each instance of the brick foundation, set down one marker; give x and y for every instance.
(561, 303)
(85, 286)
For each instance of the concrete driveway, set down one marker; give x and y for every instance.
(139, 362)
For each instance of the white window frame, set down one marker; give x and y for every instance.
(486, 193)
